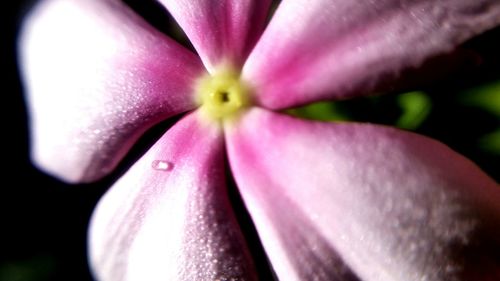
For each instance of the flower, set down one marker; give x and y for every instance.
(329, 201)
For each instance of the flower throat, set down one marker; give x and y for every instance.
(222, 95)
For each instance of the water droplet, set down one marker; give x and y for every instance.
(162, 165)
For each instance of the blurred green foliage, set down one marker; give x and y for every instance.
(485, 97)
(415, 107)
(37, 268)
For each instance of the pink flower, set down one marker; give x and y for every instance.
(329, 201)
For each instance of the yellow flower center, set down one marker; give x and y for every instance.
(222, 95)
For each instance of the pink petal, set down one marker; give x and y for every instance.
(97, 76)
(222, 31)
(317, 50)
(171, 220)
(391, 205)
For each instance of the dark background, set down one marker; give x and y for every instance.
(43, 222)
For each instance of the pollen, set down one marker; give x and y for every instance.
(222, 95)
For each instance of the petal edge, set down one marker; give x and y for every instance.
(391, 205)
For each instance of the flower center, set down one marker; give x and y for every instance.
(222, 95)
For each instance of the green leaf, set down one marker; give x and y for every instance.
(322, 111)
(491, 142)
(415, 107)
(486, 97)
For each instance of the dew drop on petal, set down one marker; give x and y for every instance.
(162, 165)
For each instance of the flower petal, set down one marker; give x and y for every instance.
(171, 220)
(317, 50)
(97, 76)
(392, 205)
(221, 31)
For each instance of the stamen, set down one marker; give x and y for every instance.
(222, 95)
